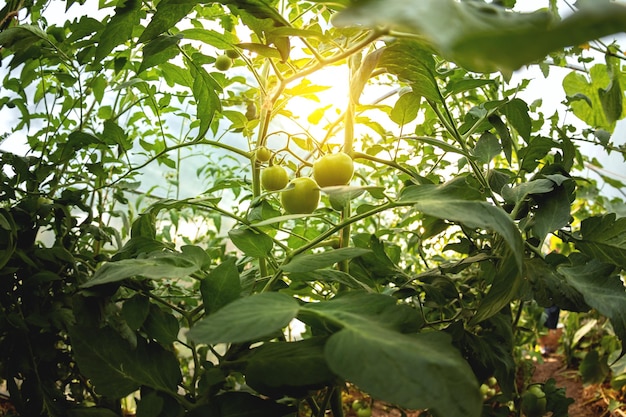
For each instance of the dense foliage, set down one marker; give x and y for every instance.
(142, 263)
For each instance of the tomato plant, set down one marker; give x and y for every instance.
(143, 269)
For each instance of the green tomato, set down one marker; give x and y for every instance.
(274, 178)
(302, 198)
(333, 169)
(484, 389)
(263, 154)
(223, 63)
(364, 412)
(357, 405)
(232, 54)
(492, 381)
(534, 402)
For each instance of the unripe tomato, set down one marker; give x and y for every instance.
(274, 178)
(333, 169)
(364, 412)
(263, 154)
(302, 198)
(534, 402)
(492, 381)
(232, 54)
(357, 405)
(223, 62)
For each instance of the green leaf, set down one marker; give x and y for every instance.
(516, 112)
(444, 202)
(329, 275)
(223, 41)
(205, 90)
(505, 136)
(593, 368)
(221, 287)
(157, 265)
(22, 36)
(519, 193)
(116, 369)
(552, 213)
(158, 51)
(550, 288)
(135, 310)
(603, 290)
(480, 36)
(506, 284)
(410, 62)
(119, 29)
(405, 108)
(604, 238)
(161, 326)
(311, 262)
(274, 368)
(487, 148)
(600, 94)
(413, 371)
(251, 242)
(168, 13)
(246, 319)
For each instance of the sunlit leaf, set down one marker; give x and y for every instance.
(168, 13)
(158, 51)
(480, 36)
(119, 29)
(604, 238)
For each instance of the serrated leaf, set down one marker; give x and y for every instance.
(414, 371)
(116, 369)
(603, 290)
(22, 35)
(221, 286)
(251, 243)
(445, 202)
(246, 319)
(604, 238)
(550, 288)
(159, 50)
(410, 62)
(119, 29)
(593, 368)
(311, 262)
(168, 13)
(205, 90)
(223, 41)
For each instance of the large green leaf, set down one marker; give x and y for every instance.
(604, 238)
(603, 290)
(157, 265)
(168, 13)
(221, 286)
(246, 319)
(311, 262)
(592, 96)
(158, 51)
(414, 371)
(205, 91)
(550, 288)
(275, 367)
(480, 36)
(251, 243)
(552, 213)
(119, 29)
(452, 203)
(116, 369)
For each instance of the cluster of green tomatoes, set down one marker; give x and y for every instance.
(301, 195)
